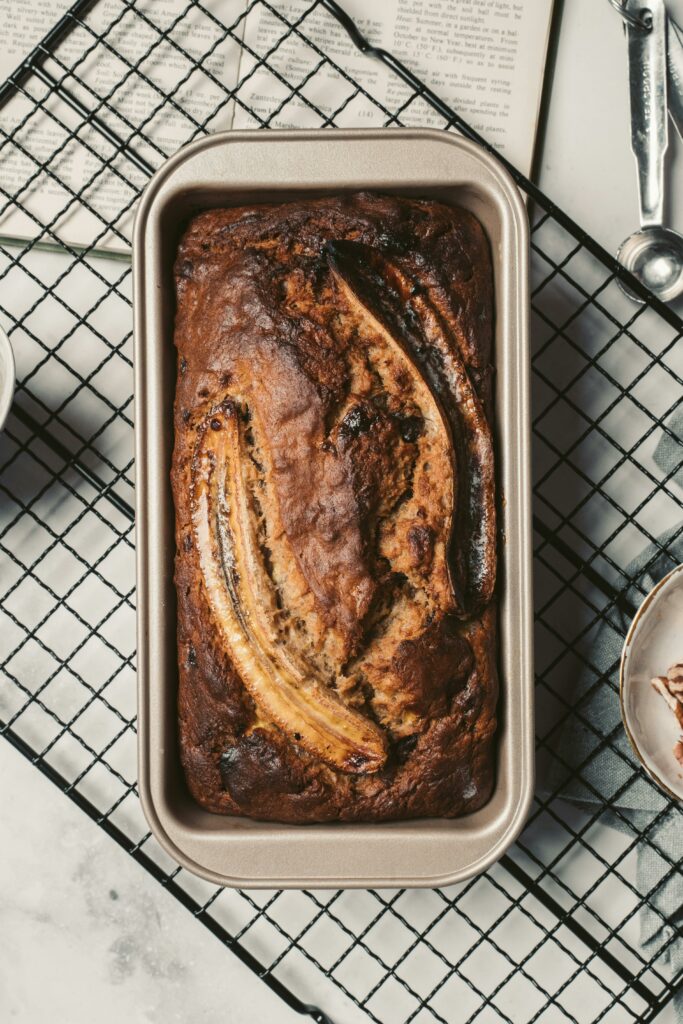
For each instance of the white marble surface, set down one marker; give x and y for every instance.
(70, 950)
(88, 937)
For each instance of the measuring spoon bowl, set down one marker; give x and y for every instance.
(655, 256)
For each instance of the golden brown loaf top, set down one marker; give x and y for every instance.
(334, 493)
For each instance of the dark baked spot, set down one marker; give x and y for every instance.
(186, 415)
(404, 747)
(432, 667)
(216, 424)
(421, 544)
(379, 463)
(183, 365)
(357, 421)
(259, 766)
(411, 427)
(187, 542)
(229, 757)
(357, 761)
(191, 657)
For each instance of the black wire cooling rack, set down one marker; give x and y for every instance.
(580, 921)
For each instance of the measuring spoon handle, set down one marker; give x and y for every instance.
(648, 94)
(674, 52)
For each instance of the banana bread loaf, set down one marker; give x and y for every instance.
(335, 510)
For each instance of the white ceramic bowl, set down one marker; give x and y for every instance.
(654, 642)
(7, 377)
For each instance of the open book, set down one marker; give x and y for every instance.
(485, 58)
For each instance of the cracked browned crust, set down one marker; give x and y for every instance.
(353, 480)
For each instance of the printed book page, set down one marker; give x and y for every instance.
(485, 58)
(159, 109)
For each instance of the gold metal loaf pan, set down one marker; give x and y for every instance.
(250, 167)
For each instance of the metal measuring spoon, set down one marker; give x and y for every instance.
(654, 254)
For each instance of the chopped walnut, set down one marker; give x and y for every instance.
(675, 679)
(678, 752)
(670, 687)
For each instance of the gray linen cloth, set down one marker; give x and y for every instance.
(641, 804)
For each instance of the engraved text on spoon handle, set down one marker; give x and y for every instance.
(648, 94)
(675, 64)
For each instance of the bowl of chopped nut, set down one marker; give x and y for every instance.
(651, 684)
